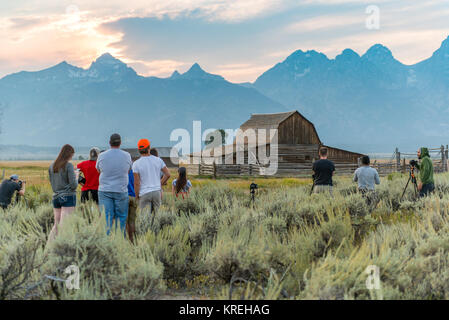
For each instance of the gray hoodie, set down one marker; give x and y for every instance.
(64, 181)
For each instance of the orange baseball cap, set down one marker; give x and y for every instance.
(143, 144)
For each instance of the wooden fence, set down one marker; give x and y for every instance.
(397, 163)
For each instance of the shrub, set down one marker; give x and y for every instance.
(19, 264)
(172, 247)
(109, 265)
(237, 256)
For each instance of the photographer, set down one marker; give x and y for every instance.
(425, 167)
(323, 170)
(7, 189)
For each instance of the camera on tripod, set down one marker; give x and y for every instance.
(412, 178)
(21, 183)
(253, 187)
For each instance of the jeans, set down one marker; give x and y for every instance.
(426, 189)
(115, 206)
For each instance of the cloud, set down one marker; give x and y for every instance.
(26, 23)
(36, 41)
(237, 39)
(161, 68)
(240, 72)
(325, 22)
(213, 10)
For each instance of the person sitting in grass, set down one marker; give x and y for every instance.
(367, 177)
(181, 185)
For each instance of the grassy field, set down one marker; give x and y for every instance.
(219, 245)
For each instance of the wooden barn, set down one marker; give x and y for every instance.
(163, 153)
(297, 147)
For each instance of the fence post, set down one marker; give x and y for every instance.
(398, 160)
(404, 166)
(199, 168)
(443, 159)
(446, 153)
(215, 170)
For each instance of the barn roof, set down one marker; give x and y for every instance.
(272, 121)
(266, 120)
(163, 152)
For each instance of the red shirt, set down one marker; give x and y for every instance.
(90, 173)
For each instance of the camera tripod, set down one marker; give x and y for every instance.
(253, 187)
(411, 178)
(24, 199)
(313, 185)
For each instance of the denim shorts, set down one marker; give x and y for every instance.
(64, 202)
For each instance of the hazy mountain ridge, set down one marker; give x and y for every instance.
(369, 102)
(371, 99)
(66, 104)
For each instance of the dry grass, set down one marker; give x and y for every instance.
(218, 244)
(35, 173)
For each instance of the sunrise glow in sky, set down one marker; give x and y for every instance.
(238, 39)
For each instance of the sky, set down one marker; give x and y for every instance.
(238, 39)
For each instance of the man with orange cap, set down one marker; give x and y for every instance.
(147, 177)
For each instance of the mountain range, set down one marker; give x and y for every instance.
(367, 103)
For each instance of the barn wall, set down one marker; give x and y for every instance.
(169, 163)
(297, 130)
(299, 153)
(342, 156)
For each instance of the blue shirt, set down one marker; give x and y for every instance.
(366, 177)
(131, 192)
(186, 187)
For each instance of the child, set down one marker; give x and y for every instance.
(181, 185)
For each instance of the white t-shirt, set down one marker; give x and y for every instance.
(149, 170)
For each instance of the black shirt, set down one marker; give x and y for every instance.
(7, 188)
(323, 169)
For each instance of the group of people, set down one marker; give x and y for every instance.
(120, 184)
(115, 181)
(367, 177)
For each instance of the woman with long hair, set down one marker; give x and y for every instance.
(181, 185)
(64, 182)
